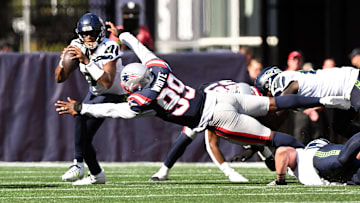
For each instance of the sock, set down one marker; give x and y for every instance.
(283, 139)
(177, 149)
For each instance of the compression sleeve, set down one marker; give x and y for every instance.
(290, 101)
(140, 50)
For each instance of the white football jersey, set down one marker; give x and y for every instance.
(318, 83)
(108, 50)
(305, 171)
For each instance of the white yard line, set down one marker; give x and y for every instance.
(175, 195)
(124, 164)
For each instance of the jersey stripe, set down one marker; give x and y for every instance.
(140, 99)
(242, 137)
(157, 62)
(256, 91)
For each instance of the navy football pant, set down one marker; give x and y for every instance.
(338, 163)
(85, 129)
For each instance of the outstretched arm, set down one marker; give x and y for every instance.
(140, 50)
(119, 110)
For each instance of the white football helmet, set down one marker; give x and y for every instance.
(136, 77)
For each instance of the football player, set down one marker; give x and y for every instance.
(317, 83)
(100, 63)
(155, 90)
(211, 140)
(320, 163)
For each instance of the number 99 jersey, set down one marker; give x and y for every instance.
(169, 97)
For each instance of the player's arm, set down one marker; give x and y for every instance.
(110, 110)
(291, 101)
(292, 88)
(140, 50)
(60, 74)
(105, 75)
(284, 157)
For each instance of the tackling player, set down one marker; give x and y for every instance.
(211, 140)
(320, 163)
(154, 90)
(98, 57)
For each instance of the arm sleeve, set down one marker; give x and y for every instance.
(109, 110)
(140, 50)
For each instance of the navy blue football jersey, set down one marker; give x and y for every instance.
(169, 97)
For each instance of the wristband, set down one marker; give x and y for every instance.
(78, 107)
(94, 71)
(60, 63)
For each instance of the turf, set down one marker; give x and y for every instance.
(128, 182)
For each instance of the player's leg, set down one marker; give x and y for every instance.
(176, 151)
(212, 147)
(96, 175)
(350, 151)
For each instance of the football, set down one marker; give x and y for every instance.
(69, 64)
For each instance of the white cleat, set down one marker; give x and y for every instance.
(158, 177)
(92, 179)
(237, 177)
(75, 172)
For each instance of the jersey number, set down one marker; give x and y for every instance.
(170, 97)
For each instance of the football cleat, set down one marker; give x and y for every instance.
(157, 177)
(92, 179)
(237, 177)
(275, 182)
(75, 172)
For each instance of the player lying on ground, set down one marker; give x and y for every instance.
(154, 90)
(320, 163)
(99, 62)
(211, 140)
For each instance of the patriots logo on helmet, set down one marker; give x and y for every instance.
(126, 78)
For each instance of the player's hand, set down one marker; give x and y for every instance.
(63, 51)
(112, 28)
(64, 107)
(78, 54)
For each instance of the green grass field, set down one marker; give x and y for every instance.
(128, 182)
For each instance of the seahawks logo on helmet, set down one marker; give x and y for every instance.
(318, 143)
(265, 78)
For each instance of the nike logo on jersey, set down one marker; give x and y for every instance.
(160, 81)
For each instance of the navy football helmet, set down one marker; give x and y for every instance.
(91, 23)
(264, 79)
(317, 143)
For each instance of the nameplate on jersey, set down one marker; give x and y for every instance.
(160, 82)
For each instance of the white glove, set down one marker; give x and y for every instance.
(338, 102)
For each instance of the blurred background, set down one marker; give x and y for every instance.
(272, 28)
